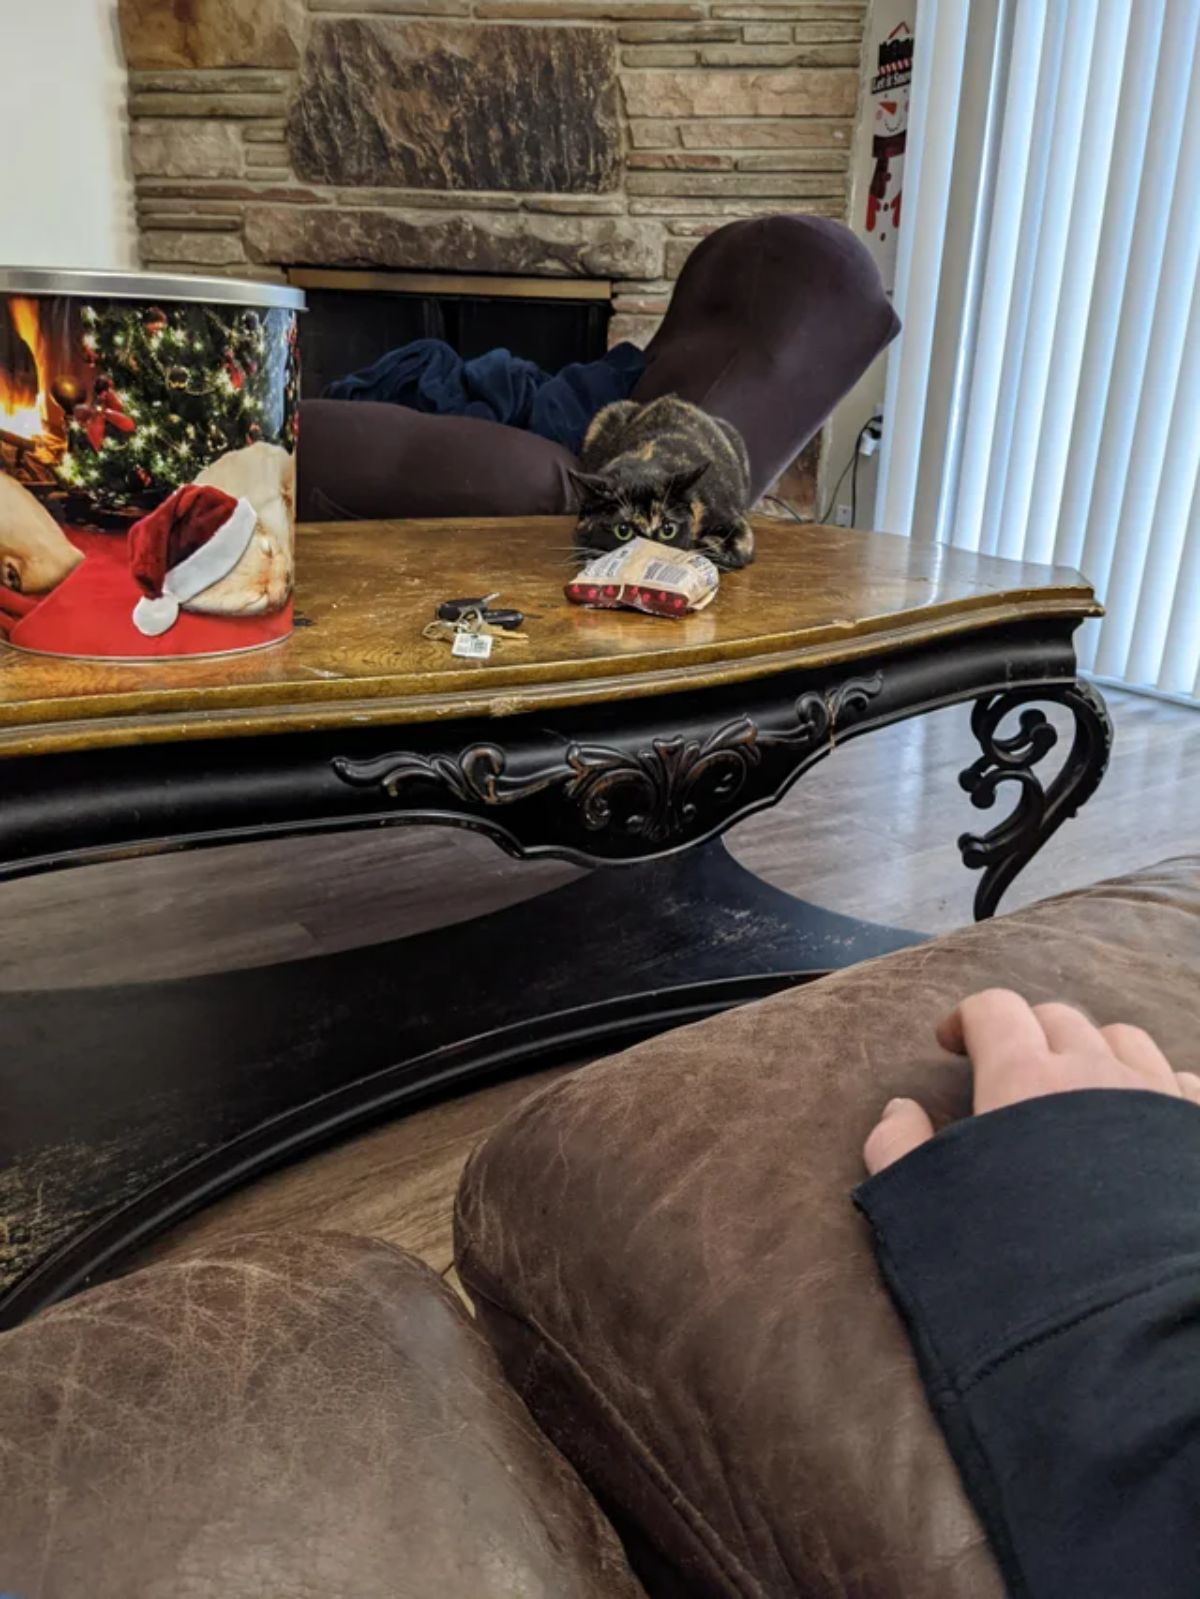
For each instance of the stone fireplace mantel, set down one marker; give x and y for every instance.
(534, 138)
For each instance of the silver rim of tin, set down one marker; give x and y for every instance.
(149, 286)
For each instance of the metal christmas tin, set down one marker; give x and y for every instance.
(147, 464)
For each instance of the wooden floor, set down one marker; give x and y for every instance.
(870, 832)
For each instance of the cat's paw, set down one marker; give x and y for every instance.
(741, 545)
(729, 548)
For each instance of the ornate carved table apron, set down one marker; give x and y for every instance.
(612, 739)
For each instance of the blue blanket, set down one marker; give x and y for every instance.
(428, 376)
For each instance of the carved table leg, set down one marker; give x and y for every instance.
(1010, 758)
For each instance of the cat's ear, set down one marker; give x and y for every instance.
(591, 488)
(686, 481)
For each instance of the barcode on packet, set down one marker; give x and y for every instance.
(606, 566)
(667, 572)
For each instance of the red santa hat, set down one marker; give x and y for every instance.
(188, 543)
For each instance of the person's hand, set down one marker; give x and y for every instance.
(1020, 1051)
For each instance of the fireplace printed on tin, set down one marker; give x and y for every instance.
(147, 470)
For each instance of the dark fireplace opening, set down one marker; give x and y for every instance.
(348, 326)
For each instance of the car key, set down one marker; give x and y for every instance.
(455, 610)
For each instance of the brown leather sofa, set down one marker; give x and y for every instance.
(291, 1418)
(668, 1269)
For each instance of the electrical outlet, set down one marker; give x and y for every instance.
(841, 516)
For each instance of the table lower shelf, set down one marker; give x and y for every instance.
(127, 1108)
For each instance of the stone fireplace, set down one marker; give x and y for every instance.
(535, 140)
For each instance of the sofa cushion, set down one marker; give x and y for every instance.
(281, 1418)
(364, 459)
(664, 1251)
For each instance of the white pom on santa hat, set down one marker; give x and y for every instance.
(191, 541)
(153, 617)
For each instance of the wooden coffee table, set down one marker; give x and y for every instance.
(609, 738)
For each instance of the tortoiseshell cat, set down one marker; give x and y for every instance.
(666, 471)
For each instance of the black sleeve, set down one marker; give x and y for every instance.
(1046, 1260)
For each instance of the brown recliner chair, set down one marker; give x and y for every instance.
(772, 321)
(663, 1252)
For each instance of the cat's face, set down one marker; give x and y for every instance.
(614, 509)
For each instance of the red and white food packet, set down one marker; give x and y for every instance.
(644, 575)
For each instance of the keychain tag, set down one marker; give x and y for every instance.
(472, 646)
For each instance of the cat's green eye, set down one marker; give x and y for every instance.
(625, 531)
(668, 531)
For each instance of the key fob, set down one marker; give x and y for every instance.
(452, 610)
(509, 620)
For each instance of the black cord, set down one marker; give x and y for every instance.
(773, 499)
(852, 463)
(834, 492)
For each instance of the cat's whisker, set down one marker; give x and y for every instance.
(721, 559)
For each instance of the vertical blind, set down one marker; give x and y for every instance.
(1043, 400)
